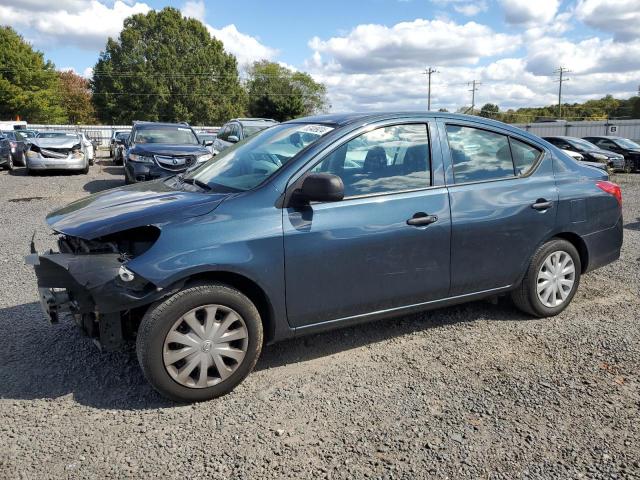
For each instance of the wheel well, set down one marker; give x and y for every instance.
(247, 287)
(580, 245)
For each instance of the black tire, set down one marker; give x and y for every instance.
(158, 322)
(23, 159)
(9, 165)
(525, 297)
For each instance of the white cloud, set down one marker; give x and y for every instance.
(194, 9)
(528, 11)
(85, 24)
(246, 48)
(471, 9)
(620, 17)
(378, 47)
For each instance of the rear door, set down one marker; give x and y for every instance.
(503, 204)
(375, 250)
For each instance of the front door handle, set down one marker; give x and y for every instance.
(542, 204)
(422, 219)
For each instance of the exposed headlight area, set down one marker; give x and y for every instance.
(134, 157)
(204, 158)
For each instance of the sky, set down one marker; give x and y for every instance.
(372, 54)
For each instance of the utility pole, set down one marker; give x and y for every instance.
(561, 79)
(474, 88)
(429, 71)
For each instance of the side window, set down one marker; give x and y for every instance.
(224, 133)
(388, 159)
(235, 130)
(524, 156)
(479, 155)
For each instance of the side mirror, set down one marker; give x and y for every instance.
(321, 187)
(208, 143)
(233, 139)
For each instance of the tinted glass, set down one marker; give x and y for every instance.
(579, 143)
(55, 134)
(157, 134)
(224, 133)
(479, 155)
(626, 143)
(524, 156)
(249, 163)
(253, 129)
(387, 159)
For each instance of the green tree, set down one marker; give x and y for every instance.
(28, 83)
(75, 98)
(277, 92)
(165, 67)
(489, 110)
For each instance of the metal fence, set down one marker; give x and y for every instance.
(100, 133)
(618, 128)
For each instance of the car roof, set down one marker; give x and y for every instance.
(142, 124)
(610, 137)
(253, 121)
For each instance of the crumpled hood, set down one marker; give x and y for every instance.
(167, 149)
(149, 203)
(55, 142)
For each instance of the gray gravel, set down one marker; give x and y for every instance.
(476, 391)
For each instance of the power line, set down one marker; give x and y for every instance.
(429, 71)
(560, 71)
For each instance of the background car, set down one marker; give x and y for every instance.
(589, 151)
(57, 151)
(120, 147)
(18, 144)
(207, 140)
(112, 141)
(155, 150)
(6, 160)
(238, 129)
(623, 146)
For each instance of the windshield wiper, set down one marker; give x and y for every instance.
(197, 183)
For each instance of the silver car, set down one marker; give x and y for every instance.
(57, 151)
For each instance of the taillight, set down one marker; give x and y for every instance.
(612, 189)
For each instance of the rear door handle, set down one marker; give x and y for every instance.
(422, 219)
(542, 204)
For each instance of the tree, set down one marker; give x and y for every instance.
(282, 94)
(75, 97)
(28, 83)
(165, 67)
(489, 110)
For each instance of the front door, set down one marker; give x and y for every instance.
(385, 246)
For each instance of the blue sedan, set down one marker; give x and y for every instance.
(319, 223)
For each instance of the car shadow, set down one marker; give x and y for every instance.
(95, 186)
(43, 361)
(114, 170)
(633, 225)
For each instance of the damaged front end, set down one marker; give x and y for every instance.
(90, 280)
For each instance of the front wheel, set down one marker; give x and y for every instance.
(200, 343)
(551, 280)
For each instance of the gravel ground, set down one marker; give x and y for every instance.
(476, 391)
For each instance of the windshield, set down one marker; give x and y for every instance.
(168, 134)
(251, 162)
(578, 142)
(55, 134)
(626, 143)
(121, 136)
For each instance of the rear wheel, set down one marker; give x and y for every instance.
(551, 280)
(200, 343)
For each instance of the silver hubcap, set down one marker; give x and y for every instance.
(556, 278)
(205, 346)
